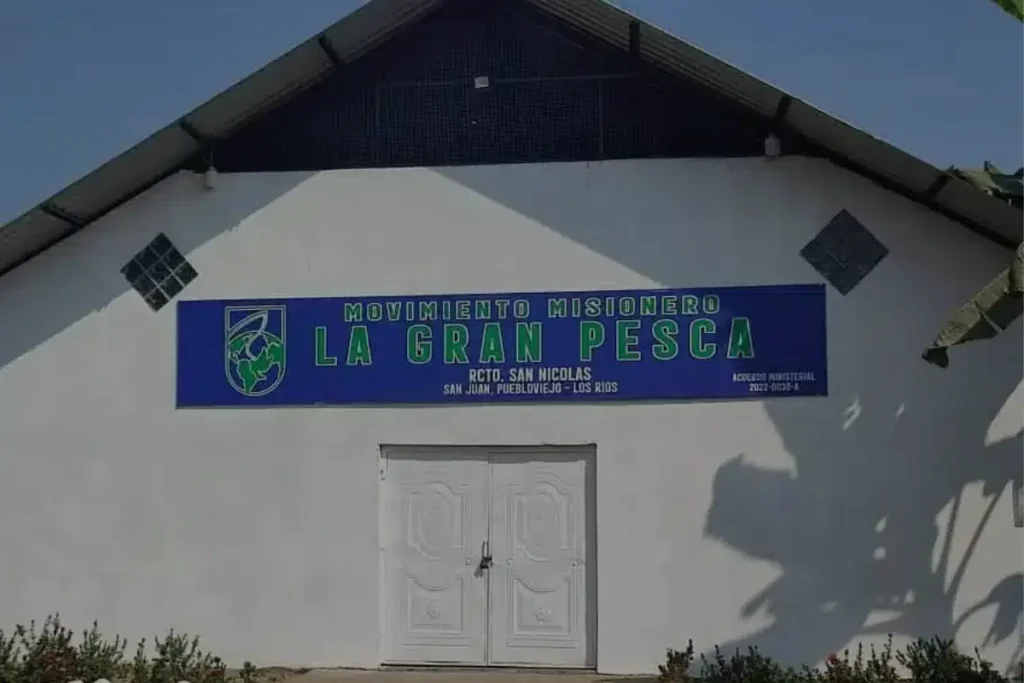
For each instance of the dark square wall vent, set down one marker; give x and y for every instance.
(159, 272)
(844, 252)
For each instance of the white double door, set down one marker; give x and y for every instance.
(486, 557)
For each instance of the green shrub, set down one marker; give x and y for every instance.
(178, 658)
(50, 655)
(676, 668)
(876, 667)
(99, 658)
(926, 661)
(938, 661)
(752, 667)
(31, 655)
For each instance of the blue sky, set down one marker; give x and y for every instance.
(82, 81)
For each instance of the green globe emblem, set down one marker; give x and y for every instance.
(254, 348)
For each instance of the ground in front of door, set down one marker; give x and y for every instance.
(440, 676)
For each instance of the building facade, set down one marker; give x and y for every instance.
(214, 421)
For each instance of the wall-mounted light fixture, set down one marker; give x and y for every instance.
(210, 177)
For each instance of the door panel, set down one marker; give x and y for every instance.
(436, 526)
(538, 584)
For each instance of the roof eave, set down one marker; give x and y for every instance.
(164, 152)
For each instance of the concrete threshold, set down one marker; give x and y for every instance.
(443, 675)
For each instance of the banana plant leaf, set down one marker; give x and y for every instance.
(990, 180)
(996, 306)
(990, 312)
(1014, 8)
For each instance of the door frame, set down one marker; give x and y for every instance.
(587, 452)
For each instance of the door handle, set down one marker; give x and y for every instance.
(485, 555)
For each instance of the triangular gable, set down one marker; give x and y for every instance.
(494, 82)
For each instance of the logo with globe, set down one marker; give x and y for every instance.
(254, 348)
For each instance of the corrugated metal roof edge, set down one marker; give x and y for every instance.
(847, 146)
(987, 215)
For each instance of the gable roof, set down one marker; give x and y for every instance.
(164, 152)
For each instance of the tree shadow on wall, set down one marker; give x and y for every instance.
(865, 543)
(854, 530)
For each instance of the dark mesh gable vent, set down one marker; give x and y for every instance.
(159, 272)
(553, 94)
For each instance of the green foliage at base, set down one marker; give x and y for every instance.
(50, 655)
(923, 661)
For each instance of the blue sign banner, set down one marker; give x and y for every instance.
(622, 345)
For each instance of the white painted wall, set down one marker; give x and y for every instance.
(796, 523)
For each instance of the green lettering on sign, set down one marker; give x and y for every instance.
(666, 346)
(428, 310)
(528, 342)
(492, 350)
(359, 346)
(741, 342)
(418, 347)
(353, 313)
(626, 341)
(456, 338)
(591, 337)
(699, 348)
(322, 357)
(556, 308)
